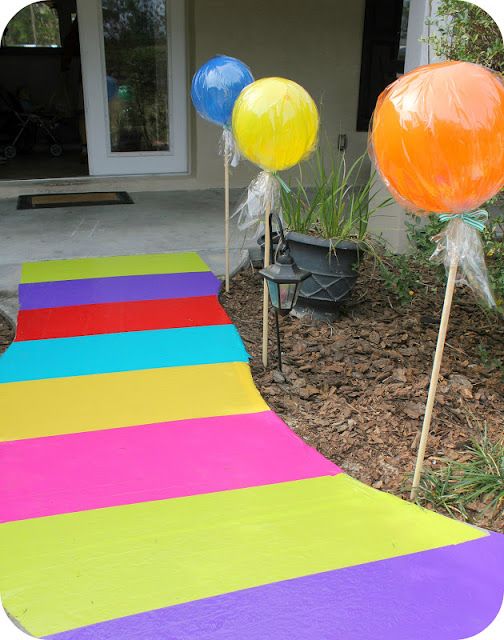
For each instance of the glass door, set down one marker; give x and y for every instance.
(134, 77)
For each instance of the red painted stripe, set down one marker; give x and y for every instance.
(118, 317)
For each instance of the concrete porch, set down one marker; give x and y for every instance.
(158, 222)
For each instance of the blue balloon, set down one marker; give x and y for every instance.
(217, 85)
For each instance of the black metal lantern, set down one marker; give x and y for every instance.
(284, 279)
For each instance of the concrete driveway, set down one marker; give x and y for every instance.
(158, 222)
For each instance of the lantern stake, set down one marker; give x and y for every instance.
(267, 251)
(279, 341)
(226, 217)
(443, 328)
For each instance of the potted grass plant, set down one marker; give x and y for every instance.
(328, 228)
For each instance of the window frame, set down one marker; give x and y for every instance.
(102, 161)
(33, 50)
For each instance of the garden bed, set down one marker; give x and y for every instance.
(6, 333)
(356, 389)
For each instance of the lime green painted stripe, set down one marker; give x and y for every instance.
(68, 571)
(84, 268)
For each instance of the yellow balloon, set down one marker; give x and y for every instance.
(275, 123)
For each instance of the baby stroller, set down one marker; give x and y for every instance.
(25, 125)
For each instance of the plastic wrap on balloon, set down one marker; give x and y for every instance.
(228, 147)
(438, 137)
(262, 194)
(460, 242)
(214, 90)
(216, 86)
(275, 125)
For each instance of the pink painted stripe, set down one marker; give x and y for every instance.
(78, 472)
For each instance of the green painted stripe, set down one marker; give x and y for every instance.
(84, 268)
(62, 572)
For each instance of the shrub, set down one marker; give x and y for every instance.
(463, 31)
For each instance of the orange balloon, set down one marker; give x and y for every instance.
(438, 137)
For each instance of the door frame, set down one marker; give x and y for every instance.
(102, 162)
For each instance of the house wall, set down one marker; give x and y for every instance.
(317, 44)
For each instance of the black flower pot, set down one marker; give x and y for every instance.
(334, 270)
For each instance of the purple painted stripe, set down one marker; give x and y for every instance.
(66, 293)
(444, 594)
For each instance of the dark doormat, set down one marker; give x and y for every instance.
(56, 200)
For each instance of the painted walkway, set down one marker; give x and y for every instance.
(148, 493)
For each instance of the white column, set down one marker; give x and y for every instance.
(417, 52)
(390, 222)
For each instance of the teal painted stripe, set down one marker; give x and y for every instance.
(109, 353)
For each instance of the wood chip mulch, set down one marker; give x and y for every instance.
(355, 389)
(6, 333)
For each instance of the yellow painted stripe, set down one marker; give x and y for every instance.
(83, 268)
(73, 570)
(89, 403)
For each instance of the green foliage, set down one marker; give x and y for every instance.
(493, 241)
(340, 204)
(463, 31)
(399, 276)
(490, 361)
(36, 25)
(476, 484)
(402, 274)
(420, 235)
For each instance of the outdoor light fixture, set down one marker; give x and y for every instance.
(284, 279)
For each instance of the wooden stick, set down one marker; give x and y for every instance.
(445, 317)
(226, 217)
(267, 251)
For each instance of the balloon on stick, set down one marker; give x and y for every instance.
(438, 142)
(275, 125)
(214, 90)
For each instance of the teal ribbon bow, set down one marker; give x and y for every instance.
(282, 183)
(475, 219)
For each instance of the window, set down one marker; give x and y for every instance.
(137, 59)
(35, 26)
(135, 77)
(383, 52)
